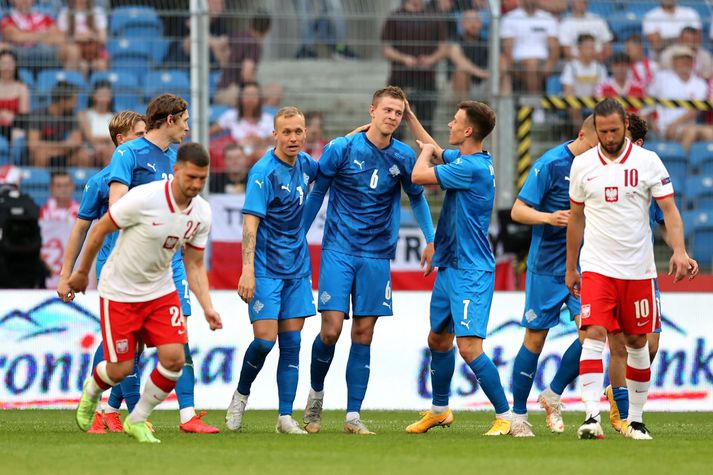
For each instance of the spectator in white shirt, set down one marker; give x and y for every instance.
(581, 76)
(582, 22)
(530, 48)
(702, 61)
(680, 83)
(663, 25)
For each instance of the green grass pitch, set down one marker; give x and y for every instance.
(48, 442)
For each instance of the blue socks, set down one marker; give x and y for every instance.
(129, 389)
(568, 369)
(621, 396)
(322, 355)
(252, 363)
(288, 368)
(489, 379)
(98, 355)
(184, 385)
(442, 367)
(357, 375)
(523, 375)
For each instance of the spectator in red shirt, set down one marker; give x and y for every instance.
(621, 83)
(60, 206)
(37, 40)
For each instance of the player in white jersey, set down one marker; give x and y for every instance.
(137, 294)
(611, 187)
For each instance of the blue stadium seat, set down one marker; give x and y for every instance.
(18, 151)
(125, 87)
(81, 175)
(693, 219)
(4, 151)
(699, 192)
(27, 77)
(702, 236)
(554, 86)
(35, 182)
(175, 81)
(213, 80)
(138, 19)
(702, 157)
(624, 25)
(131, 55)
(216, 111)
(605, 9)
(674, 157)
(701, 6)
(47, 79)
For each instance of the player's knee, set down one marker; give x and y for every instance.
(118, 372)
(329, 336)
(363, 336)
(438, 342)
(174, 362)
(469, 353)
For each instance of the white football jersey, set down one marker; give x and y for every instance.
(153, 228)
(616, 196)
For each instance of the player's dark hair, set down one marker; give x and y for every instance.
(637, 127)
(620, 58)
(608, 107)
(260, 22)
(59, 174)
(691, 30)
(63, 90)
(161, 107)
(394, 92)
(584, 37)
(193, 152)
(481, 116)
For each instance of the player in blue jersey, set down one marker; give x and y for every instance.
(543, 202)
(463, 291)
(123, 127)
(365, 174)
(142, 161)
(617, 393)
(276, 277)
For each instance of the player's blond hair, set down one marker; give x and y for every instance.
(287, 112)
(122, 123)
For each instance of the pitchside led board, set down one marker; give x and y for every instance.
(48, 346)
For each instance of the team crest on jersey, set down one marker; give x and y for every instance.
(611, 194)
(305, 178)
(530, 316)
(257, 306)
(586, 311)
(122, 346)
(325, 297)
(170, 242)
(394, 171)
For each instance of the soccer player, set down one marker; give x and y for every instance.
(123, 127)
(148, 159)
(138, 297)
(617, 393)
(366, 173)
(275, 281)
(463, 291)
(543, 202)
(611, 187)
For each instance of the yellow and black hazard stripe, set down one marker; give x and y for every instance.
(571, 102)
(524, 128)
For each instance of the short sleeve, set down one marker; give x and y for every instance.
(536, 185)
(449, 155)
(409, 187)
(661, 186)
(258, 193)
(457, 175)
(606, 34)
(567, 77)
(576, 185)
(127, 211)
(122, 165)
(332, 156)
(649, 24)
(199, 240)
(91, 203)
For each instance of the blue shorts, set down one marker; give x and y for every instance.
(366, 280)
(544, 297)
(658, 305)
(281, 299)
(461, 300)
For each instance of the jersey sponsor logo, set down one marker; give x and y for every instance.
(361, 164)
(121, 152)
(122, 346)
(285, 187)
(394, 171)
(527, 375)
(530, 316)
(590, 178)
(259, 183)
(170, 242)
(641, 324)
(324, 297)
(154, 223)
(258, 306)
(537, 171)
(465, 323)
(86, 187)
(611, 194)
(386, 304)
(152, 166)
(305, 178)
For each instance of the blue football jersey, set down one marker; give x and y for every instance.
(655, 217)
(276, 193)
(546, 189)
(462, 233)
(94, 205)
(363, 215)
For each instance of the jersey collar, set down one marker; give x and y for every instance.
(172, 206)
(621, 158)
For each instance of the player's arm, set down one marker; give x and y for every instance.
(680, 264)
(198, 282)
(692, 263)
(116, 191)
(79, 279)
(71, 252)
(246, 284)
(524, 213)
(419, 133)
(575, 235)
(423, 171)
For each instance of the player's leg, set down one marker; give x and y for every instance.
(617, 393)
(440, 343)
(99, 425)
(129, 390)
(599, 301)
(653, 341)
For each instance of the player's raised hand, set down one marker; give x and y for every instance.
(246, 286)
(426, 146)
(361, 128)
(427, 259)
(679, 266)
(78, 281)
(64, 291)
(213, 319)
(559, 218)
(573, 281)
